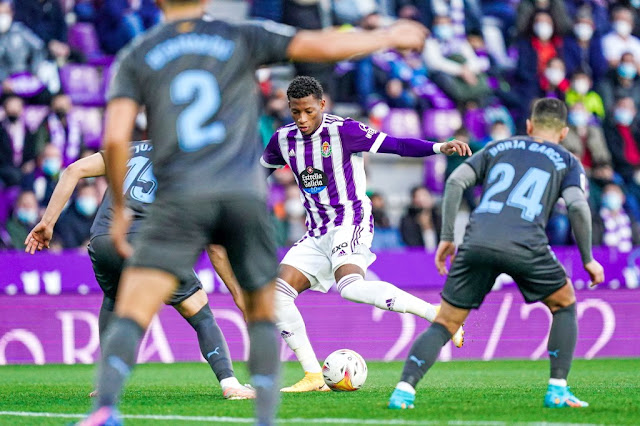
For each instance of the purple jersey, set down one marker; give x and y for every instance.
(329, 169)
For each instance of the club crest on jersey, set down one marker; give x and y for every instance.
(313, 180)
(326, 149)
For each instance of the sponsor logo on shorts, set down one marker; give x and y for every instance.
(390, 303)
(285, 334)
(338, 247)
(342, 253)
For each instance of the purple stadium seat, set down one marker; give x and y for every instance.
(440, 124)
(91, 123)
(34, 114)
(434, 169)
(402, 123)
(475, 123)
(83, 83)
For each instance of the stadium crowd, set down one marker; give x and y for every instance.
(483, 64)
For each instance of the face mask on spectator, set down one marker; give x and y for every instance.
(12, 118)
(27, 216)
(635, 3)
(499, 135)
(623, 116)
(87, 206)
(294, 208)
(543, 30)
(612, 201)
(623, 28)
(61, 113)
(5, 22)
(583, 31)
(554, 75)
(581, 86)
(627, 70)
(443, 31)
(578, 118)
(51, 166)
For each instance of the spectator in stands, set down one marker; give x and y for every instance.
(555, 9)
(453, 64)
(581, 92)
(466, 14)
(420, 226)
(583, 48)
(554, 83)
(620, 40)
(43, 179)
(587, 142)
(17, 145)
(73, 228)
(20, 51)
(536, 48)
(46, 19)
(621, 82)
(61, 129)
(25, 216)
(596, 10)
(622, 132)
(385, 237)
(119, 21)
(618, 229)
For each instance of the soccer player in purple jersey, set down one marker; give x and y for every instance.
(324, 152)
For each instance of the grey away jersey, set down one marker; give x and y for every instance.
(522, 179)
(139, 188)
(197, 81)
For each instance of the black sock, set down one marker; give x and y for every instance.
(105, 316)
(119, 356)
(264, 365)
(212, 343)
(424, 352)
(562, 341)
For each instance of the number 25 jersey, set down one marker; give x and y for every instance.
(522, 179)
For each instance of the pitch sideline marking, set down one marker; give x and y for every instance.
(221, 419)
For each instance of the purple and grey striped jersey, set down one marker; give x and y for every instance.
(329, 168)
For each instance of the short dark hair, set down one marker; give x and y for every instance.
(303, 86)
(549, 113)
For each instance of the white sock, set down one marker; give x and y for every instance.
(404, 386)
(385, 296)
(230, 382)
(291, 327)
(558, 382)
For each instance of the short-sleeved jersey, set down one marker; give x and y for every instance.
(522, 179)
(196, 79)
(139, 189)
(329, 170)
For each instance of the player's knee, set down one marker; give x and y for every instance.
(349, 287)
(562, 298)
(193, 304)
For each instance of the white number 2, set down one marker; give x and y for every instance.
(526, 195)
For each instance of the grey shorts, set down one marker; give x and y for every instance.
(537, 273)
(178, 229)
(108, 265)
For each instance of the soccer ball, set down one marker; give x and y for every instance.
(344, 371)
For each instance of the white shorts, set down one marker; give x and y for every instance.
(319, 257)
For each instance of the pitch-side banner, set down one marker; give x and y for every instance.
(64, 329)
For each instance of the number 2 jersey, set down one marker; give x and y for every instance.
(196, 79)
(522, 179)
(139, 189)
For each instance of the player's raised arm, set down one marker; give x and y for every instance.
(334, 45)
(40, 236)
(120, 118)
(462, 178)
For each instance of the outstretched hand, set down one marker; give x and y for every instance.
(406, 34)
(455, 146)
(446, 249)
(39, 238)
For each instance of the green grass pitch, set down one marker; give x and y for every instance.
(489, 393)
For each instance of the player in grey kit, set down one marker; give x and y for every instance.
(196, 79)
(522, 179)
(190, 300)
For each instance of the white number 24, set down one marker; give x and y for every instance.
(526, 195)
